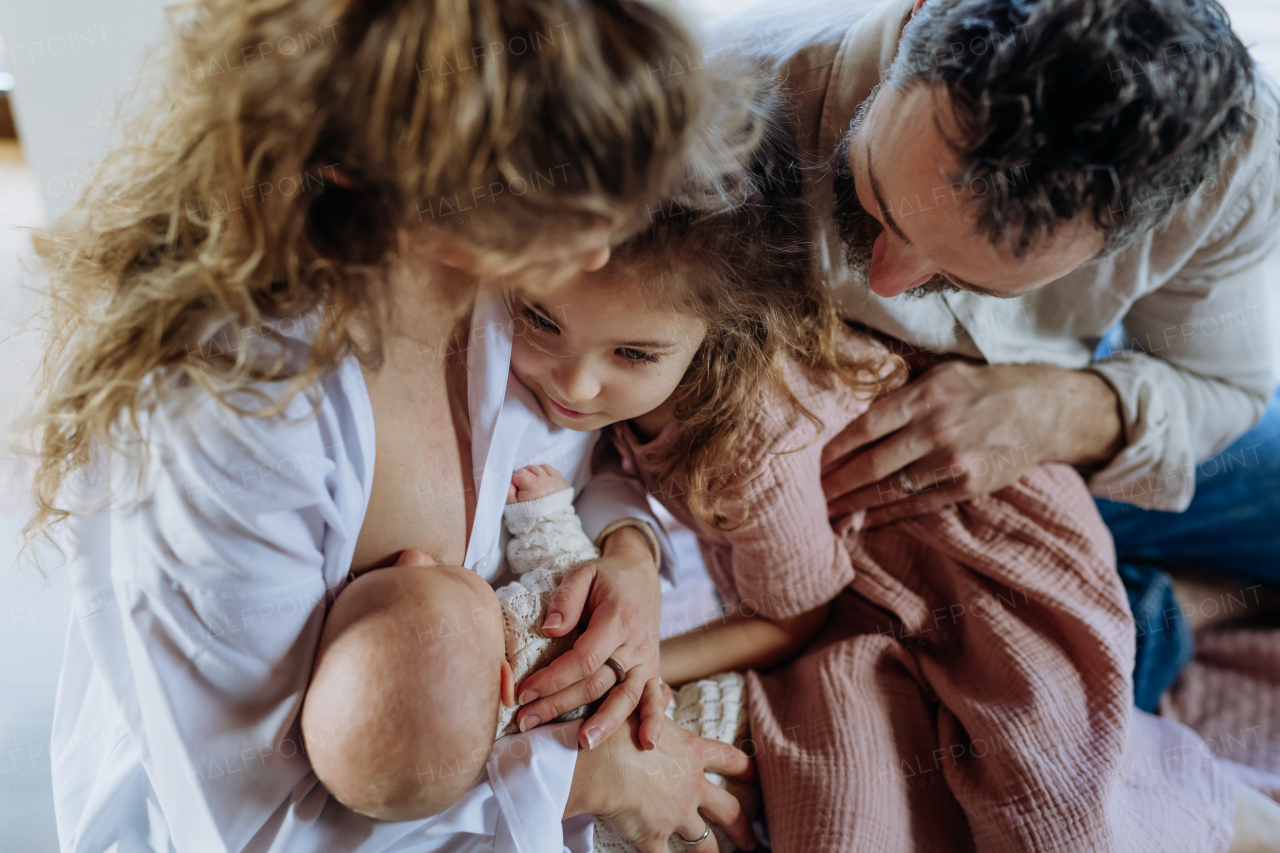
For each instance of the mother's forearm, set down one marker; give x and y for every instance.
(593, 779)
(629, 542)
(613, 500)
(531, 777)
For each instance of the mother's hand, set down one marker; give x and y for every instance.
(648, 795)
(621, 594)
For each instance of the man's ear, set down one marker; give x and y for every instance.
(508, 688)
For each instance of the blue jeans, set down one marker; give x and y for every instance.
(1231, 530)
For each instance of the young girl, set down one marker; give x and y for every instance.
(257, 310)
(676, 364)
(968, 684)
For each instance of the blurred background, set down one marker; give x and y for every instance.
(66, 68)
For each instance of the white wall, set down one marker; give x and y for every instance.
(73, 61)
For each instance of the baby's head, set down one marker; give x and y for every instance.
(400, 716)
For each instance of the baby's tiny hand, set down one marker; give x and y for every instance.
(533, 482)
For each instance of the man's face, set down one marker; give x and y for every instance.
(904, 221)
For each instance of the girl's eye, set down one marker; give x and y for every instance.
(637, 355)
(539, 322)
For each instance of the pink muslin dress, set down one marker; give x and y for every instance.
(972, 689)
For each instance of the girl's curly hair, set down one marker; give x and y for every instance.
(747, 273)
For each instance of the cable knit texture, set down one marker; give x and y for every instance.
(546, 533)
(547, 540)
(971, 691)
(524, 606)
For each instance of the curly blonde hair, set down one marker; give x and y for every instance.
(298, 146)
(746, 272)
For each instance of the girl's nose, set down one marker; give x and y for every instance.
(896, 266)
(577, 382)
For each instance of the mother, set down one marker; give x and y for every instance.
(286, 259)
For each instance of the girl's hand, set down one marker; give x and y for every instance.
(649, 795)
(620, 593)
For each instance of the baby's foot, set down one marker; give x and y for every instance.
(533, 482)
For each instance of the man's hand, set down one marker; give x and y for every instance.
(963, 430)
(621, 594)
(648, 795)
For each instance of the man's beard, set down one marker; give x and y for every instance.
(858, 229)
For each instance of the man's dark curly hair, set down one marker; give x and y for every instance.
(1120, 109)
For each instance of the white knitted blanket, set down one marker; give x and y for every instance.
(548, 540)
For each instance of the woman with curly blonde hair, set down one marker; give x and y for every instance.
(294, 248)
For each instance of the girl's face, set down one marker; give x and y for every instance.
(595, 352)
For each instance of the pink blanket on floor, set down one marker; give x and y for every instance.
(1231, 696)
(972, 693)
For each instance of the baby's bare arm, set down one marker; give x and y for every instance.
(738, 642)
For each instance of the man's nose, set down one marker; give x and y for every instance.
(897, 266)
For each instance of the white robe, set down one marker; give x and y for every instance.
(197, 612)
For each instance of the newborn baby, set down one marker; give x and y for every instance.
(418, 663)
(417, 667)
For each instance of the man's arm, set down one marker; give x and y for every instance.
(1205, 379)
